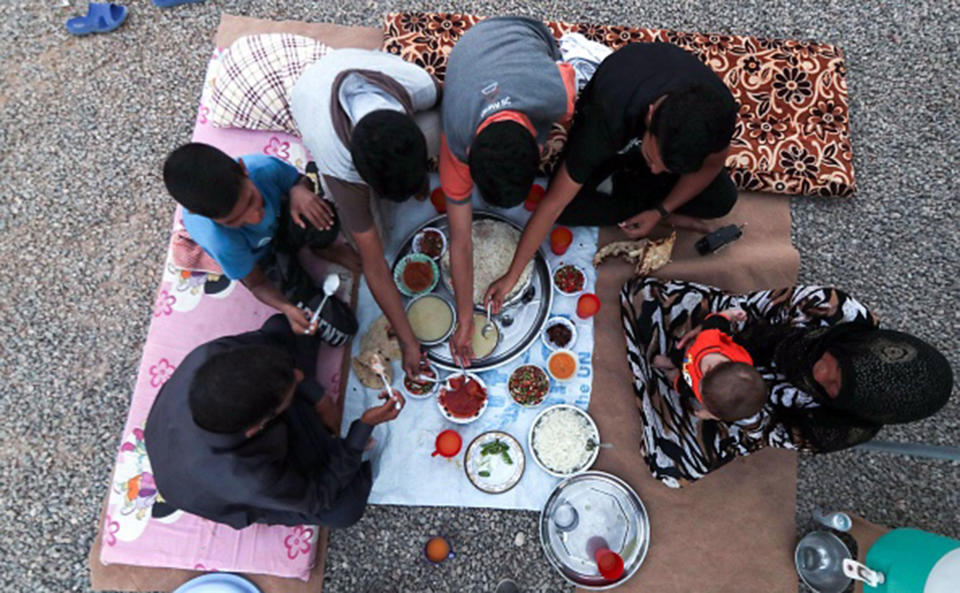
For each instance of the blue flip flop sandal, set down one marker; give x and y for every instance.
(169, 3)
(101, 17)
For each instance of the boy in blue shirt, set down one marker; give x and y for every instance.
(245, 212)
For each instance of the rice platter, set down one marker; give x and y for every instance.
(559, 437)
(431, 318)
(494, 243)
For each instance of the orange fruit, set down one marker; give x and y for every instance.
(437, 549)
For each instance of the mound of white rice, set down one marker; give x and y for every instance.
(494, 244)
(560, 440)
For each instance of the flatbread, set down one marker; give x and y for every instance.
(649, 255)
(363, 367)
(494, 243)
(380, 338)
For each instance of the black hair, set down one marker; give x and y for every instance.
(503, 163)
(733, 391)
(203, 179)
(692, 123)
(233, 390)
(390, 154)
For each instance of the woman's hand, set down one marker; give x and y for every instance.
(497, 292)
(461, 345)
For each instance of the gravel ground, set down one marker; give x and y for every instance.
(84, 220)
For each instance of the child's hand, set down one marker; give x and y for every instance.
(306, 204)
(734, 315)
(689, 337)
(299, 320)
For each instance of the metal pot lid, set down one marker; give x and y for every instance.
(591, 510)
(520, 321)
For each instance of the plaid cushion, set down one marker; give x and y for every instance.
(256, 74)
(793, 131)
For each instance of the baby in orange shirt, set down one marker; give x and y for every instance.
(714, 372)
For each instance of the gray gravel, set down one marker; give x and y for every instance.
(84, 221)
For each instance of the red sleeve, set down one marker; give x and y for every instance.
(454, 175)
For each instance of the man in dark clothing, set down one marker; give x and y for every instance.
(235, 435)
(649, 140)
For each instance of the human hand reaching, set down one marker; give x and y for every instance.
(497, 292)
(461, 344)
(386, 411)
(304, 204)
(640, 225)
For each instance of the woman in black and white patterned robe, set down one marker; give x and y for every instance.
(678, 446)
(880, 376)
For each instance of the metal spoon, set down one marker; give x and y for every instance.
(592, 444)
(330, 285)
(487, 327)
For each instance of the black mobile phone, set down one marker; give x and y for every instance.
(718, 239)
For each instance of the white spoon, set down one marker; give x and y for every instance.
(377, 367)
(330, 285)
(487, 326)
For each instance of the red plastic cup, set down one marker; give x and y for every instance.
(588, 305)
(448, 444)
(439, 200)
(560, 240)
(609, 563)
(534, 197)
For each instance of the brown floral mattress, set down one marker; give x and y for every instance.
(793, 131)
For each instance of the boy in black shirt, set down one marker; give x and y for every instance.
(656, 123)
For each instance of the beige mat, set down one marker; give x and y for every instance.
(733, 530)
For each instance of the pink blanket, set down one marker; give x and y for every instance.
(191, 308)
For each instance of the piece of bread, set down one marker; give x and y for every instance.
(363, 367)
(649, 255)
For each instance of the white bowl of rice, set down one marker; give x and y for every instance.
(558, 440)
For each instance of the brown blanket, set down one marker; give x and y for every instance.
(734, 529)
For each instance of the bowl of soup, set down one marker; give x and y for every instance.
(432, 318)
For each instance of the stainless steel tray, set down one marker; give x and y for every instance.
(520, 321)
(596, 506)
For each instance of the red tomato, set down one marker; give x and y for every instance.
(534, 197)
(439, 200)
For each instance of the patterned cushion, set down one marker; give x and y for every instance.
(793, 132)
(256, 74)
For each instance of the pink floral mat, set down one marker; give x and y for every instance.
(192, 308)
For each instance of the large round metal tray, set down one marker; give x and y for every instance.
(605, 507)
(520, 321)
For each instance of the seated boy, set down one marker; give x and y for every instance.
(236, 435)
(245, 212)
(355, 109)
(716, 374)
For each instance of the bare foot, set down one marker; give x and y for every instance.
(688, 223)
(343, 254)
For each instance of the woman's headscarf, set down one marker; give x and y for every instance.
(887, 377)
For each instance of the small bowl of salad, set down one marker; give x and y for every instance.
(422, 389)
(569, 279)
(529, 385)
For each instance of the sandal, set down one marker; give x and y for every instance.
(171, 3)
(100, 18)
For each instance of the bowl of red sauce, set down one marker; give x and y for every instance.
(463, 398)
(416, 274)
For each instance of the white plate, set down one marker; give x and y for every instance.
(554, 321)
(456, 419)
(503, 476)
(565, 408)
(554, 269)
(431, 393)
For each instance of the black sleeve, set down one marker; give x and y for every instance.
(590, 143)
(310, 390)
